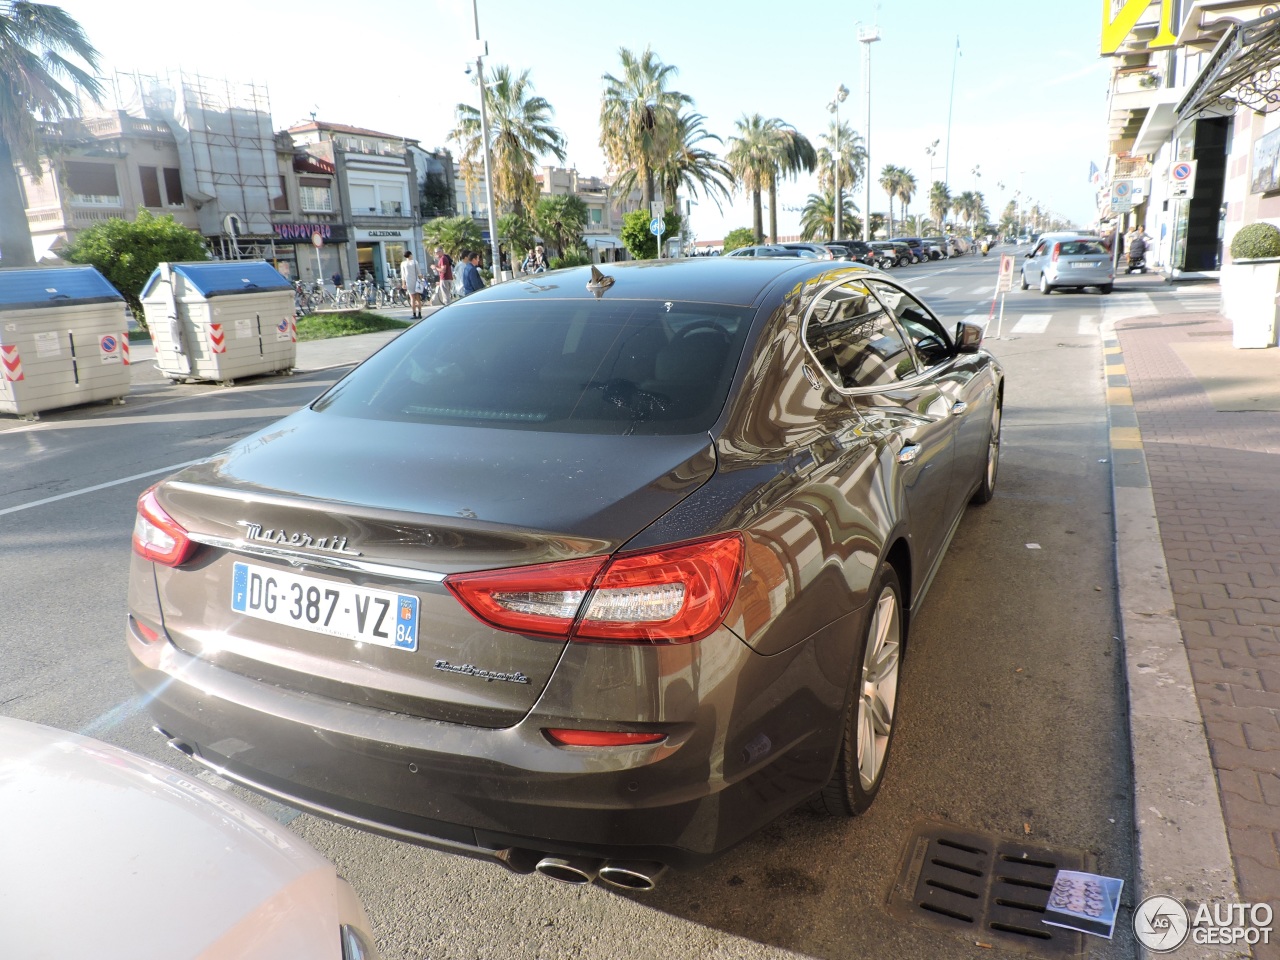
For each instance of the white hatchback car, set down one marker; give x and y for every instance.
(113, 856)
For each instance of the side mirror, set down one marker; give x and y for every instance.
(1027, 256)
(968, 337)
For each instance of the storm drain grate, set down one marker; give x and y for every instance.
(986, 889)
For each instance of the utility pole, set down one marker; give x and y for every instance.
(867, 36)
(481, 49)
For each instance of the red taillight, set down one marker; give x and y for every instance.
(157, 536)
(677, 594)
(602, 738)
(1057, 249)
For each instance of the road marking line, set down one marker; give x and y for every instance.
(944, 291)
(96, 487)
(1087, 326)
(1032, 323)
(978, 291)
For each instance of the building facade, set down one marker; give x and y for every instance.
(1194, 125)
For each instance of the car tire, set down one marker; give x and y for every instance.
(1025, 285)
(1045, 287)
(1104, 289)
(991, 469)
(870, 716)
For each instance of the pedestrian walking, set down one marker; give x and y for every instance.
(444, 267)
(471, 279)
(414, 282)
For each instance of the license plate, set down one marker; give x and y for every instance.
(337, 609)
(1088, 265)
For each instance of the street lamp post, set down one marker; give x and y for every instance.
(481, 50)
(867, 36)
(836, 160)
(977, 175)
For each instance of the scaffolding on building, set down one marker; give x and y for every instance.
(226, 152)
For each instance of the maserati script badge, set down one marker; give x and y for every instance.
(334, 544)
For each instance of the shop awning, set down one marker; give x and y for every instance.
(1159, 122)
(1241, 70)
(601, 241)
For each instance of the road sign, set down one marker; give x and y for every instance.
(657, 226)
(1005, 283)
(1121, 196)
(317, 240)
(657, 208)
(1182, 179)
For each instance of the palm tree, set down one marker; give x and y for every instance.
(939, 203)
(791, 153)
(817, 217)
(763, 151)
(561, 219)
(749, 157)
(520, 133)
(455, 234)
(638, 118)
(906, 189)
(686, 165)
(34, 41)
(844, 144)
(890, 182)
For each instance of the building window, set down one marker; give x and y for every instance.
(173, 187)
(150, 186)
(315, 197)
(391, 208)
(92, 183)
(281, 202)
(364, 198)
(596, 215)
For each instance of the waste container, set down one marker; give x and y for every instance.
(64, 339)
(220, 320)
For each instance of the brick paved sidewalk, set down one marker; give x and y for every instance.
(1215, 479)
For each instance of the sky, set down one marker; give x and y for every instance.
(1029, 109)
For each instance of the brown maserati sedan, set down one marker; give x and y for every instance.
(588, 573)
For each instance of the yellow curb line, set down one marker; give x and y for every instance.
(1120, 396)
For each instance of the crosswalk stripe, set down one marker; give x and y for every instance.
(1087, 326)
(1032, 323)
(944, 291)
(984, 289)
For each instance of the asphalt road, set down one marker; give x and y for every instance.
(1012, 712)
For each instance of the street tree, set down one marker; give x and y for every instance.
(792, 153)
(39, 47)
(454, 234)
(520, 135)
(817, 217)
(638, 118)
(906, 188)
(749, 156)
(690, 166)
(635, 235)
(890, 182)
(517, 231)
(561, 219)
(737, 238)
(127, 251)
(842, 146)
(939, 203)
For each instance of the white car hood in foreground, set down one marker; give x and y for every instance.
(106, 854)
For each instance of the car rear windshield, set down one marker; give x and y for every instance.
(1080, 248)
(620, 367)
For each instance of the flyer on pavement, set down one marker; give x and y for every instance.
(1085, 902)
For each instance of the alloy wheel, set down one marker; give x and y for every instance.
(879, 687)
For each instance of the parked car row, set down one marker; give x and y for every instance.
(884, 254)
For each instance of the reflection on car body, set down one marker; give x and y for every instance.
(692, 516)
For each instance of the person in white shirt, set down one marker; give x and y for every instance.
(415, 282)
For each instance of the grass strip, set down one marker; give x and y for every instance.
(323, 326)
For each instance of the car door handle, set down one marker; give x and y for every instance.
(909, 453)
(958, 408)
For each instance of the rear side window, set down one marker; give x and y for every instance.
(1080, 248)
(576, 366)
(855, 340)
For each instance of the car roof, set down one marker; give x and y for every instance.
(729, 280)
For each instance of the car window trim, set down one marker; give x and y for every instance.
(881, 388)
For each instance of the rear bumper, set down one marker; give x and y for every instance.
(509, 794)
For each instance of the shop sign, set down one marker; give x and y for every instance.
(303, 232)
(1119, 17)
(382, 234)
(1266, 163)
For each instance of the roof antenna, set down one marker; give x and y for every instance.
(599, 282)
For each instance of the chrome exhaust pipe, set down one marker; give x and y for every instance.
(632, 874)
(572, 870)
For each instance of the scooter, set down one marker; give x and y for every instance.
(1137, 264)
(985, 247)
